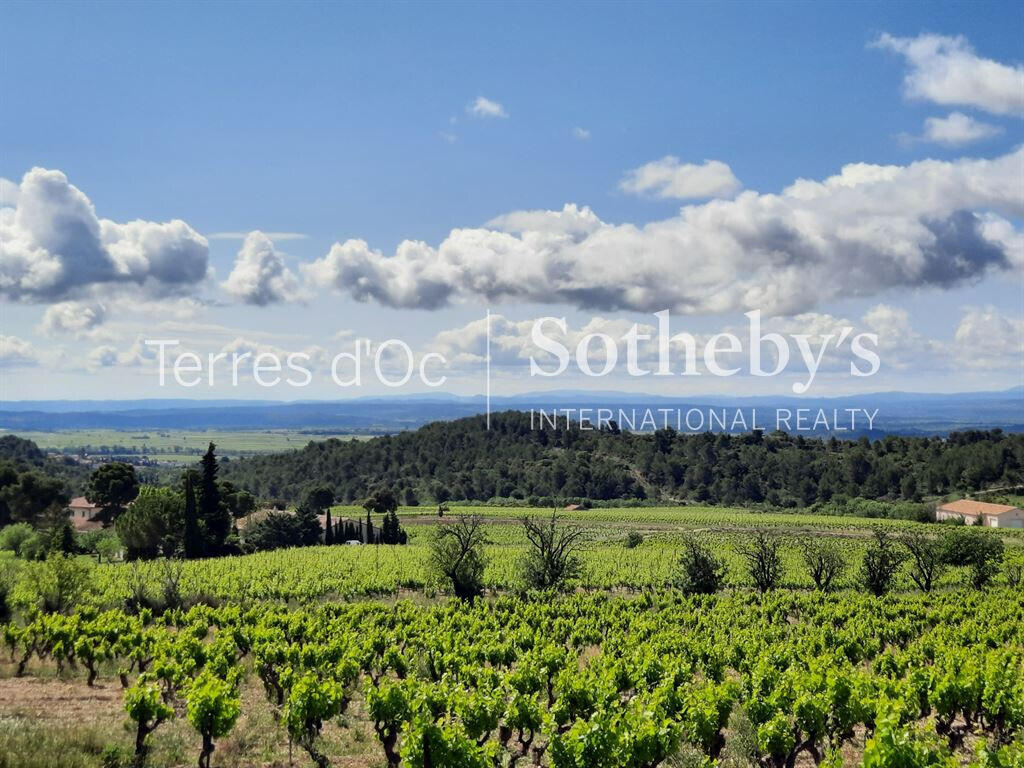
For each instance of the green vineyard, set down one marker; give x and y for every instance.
(580, 681)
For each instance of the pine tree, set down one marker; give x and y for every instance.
(193, 537)
(329, 530)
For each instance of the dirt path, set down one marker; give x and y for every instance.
(67, 702)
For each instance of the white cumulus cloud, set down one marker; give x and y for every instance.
(669, 178)
(260, 276)
(72, 317)
(957, 128)
(988, 338)
(484, 107)
(16, 353)
(946, 70)
(53, 246)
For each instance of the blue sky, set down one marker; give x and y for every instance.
(352, 121)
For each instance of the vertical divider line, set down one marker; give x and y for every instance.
(488, 368)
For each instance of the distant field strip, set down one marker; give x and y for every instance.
(172, 445)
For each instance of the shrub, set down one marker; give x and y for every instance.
(56, 585)
(701, 572)
(277, 530)
(882, 562)
(552, 557)
(6, 584)
(634, 539)
(310, 702)
(1014, 574)
(979, 550)
(13, 537)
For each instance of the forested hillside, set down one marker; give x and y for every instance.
(463, 460)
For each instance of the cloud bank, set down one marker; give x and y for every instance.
(53, 246)
(864, 231)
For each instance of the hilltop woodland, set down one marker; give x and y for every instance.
(461, 460)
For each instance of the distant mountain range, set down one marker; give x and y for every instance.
(905, 413)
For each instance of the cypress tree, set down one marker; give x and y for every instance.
(193, 538)
(215, 516)
(329, 529)
(369, 529)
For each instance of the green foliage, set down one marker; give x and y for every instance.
(319, 498)
(634, 539)
(239, 503)
(112, 487)
(391, 531)
(308, 526)
(13, 537)
(457, 555)
(701, 572)
(214, 516)
(58, 533)
(824, 562)
(895, 745)
(193, 543)
(328, 529)
(882, 561)
(277, 530)
(381, 502)
(212, 706)
(552, 556)
(583, 680)
(26, 496)
(980, 550)
(311, 701)
(145, 705)
(153, 525)
(928, 558)
(55, 585)
(463, 460)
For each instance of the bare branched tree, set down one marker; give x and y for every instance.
(928, 558)
(764, 562)
(824, 562)
(881, 564)
(457, 555)
(552, 558)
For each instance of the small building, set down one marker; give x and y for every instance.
(981, 513)
(82, 514)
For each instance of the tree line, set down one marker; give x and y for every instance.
(463, 460)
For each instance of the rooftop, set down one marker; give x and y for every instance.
(972, 507)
